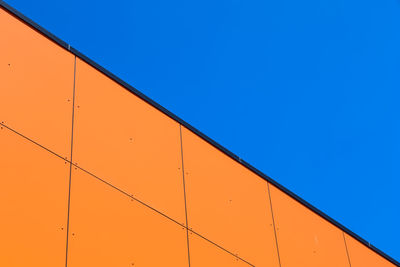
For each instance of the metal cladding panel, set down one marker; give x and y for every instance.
(227, 203)
(304, 238)
(361, 256)
(37, 78)
(203, 253)
(33, 203)
(127, 142)
(108, 228)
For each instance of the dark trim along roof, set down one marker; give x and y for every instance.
(133, 90)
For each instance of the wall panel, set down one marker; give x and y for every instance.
(108, 228)
(33, 204)
(128, 143)
(227, 203)
(36, 86)
(362, 256)
(304, 238)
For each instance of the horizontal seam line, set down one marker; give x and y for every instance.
(215, 244)
(36, 143)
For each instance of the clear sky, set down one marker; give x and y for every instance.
(306, 91)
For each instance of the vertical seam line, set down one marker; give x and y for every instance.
(347, 251)
(273, 223)
(70, 165)
(184, 192)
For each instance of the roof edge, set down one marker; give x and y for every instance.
(145, 98)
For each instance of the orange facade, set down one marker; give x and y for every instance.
(93, 174)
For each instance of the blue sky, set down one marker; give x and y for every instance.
(306, 91)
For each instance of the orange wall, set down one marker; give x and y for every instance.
(91, 175)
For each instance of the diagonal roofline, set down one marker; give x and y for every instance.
(145, 98)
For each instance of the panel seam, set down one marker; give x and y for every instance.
(34, 142)
(70, 165)
(184, 192)
(227, 251)
(273, 223)
(347, 251)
